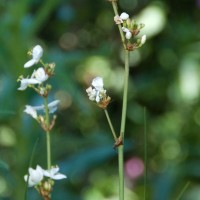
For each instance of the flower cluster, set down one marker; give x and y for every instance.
(43, 180)
(36, 176)
(36, 81)
(131, 29)
(40, 75)
(97, 93)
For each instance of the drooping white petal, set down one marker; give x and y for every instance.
(29, 63)
(98, 83)
(31, 111)
(27, 81)
(53, 173)
(37, 53)
(124, 16)
(53, 106)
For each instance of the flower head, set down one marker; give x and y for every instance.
(98, 83)
(35, 176)
(97, 93)
(54, 174)
(37, 53)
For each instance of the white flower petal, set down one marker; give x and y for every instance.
(53, 106)
(128, 35)
(40, 75)
(143, 39)
(98, 83)
(59, 176)
(37, 53)
(124, 16)
(29, 63)
(31, 111)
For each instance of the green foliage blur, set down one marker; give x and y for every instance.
(83, 41)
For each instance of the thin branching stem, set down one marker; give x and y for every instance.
(110, 124)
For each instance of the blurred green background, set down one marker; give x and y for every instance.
(83, 41)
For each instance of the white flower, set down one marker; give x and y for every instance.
(53, 173)
(97, 92)
(128, 34)
(27, 81)
(119, 19)
(40, 75)
(31, 111)
(35, 176)
(37, 53)
(124, 16)
(53, 106)
(143, 39)
(98, 83)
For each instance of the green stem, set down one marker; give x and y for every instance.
(125, 94)
(124, 109)
(110, 124)
(121, 171)
(114, 5)
(183, 190)
(48, 139)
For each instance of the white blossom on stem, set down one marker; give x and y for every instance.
(124, 16)
(37, 53)
(27, 81)
(35, 176)
(53, 106)
(40, 75)
(119, 19)
(97, 92)
(54, 174)
(128, 34)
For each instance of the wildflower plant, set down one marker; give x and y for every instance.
(129, 30)
(41, 179)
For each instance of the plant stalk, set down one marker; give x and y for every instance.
(48, 139)
(110, 124)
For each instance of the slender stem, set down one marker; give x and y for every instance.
(124, 109)
(145, 154)
(183, 190)
(121, 171)
(125, 94)
(114, 5)
(110, 124)
(48, 139)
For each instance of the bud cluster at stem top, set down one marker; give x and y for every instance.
(131, 29)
